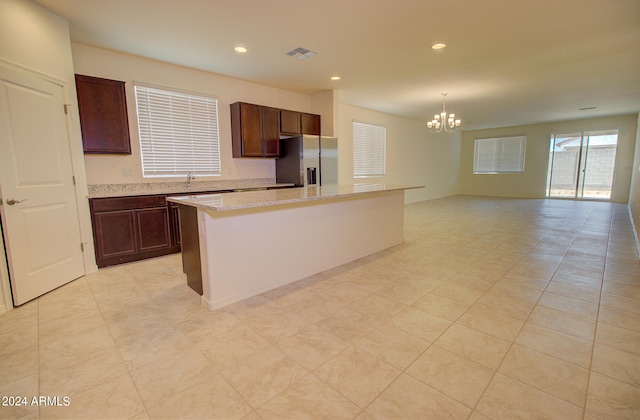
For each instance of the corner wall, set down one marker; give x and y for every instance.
(532, 183)
(414, 156)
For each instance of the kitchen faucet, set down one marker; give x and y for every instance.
(190, 176)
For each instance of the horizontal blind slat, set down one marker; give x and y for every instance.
(178, 133)
(368, 150)
(499, 155)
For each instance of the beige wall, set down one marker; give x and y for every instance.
(35, 38)
(634, 192)
(326, 104)
(532, 183)
(414, 156)
(111, 169)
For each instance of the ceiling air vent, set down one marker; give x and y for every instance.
(301, 53)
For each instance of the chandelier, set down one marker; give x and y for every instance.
(443, 121)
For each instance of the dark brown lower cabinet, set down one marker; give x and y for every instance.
(128, 229)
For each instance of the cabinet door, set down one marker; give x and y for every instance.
(114, 235)
(310, 124)
(153, 229)
(104, 123)
(251, 130)
(270, 132)
(289, 122)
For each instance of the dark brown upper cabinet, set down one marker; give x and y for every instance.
(310, 124)
(290, 122)
(104, 123)
(294, 122)
(255, 130)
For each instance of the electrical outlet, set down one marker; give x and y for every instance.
(127, 172)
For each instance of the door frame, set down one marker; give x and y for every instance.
(582, 159)
(74, 138)
(5, 289)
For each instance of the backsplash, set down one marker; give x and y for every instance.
(146, 188)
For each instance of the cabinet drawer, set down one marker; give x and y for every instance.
(127, 203)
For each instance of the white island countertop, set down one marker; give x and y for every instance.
(264, 198)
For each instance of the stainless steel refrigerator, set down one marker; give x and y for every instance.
(308, 160)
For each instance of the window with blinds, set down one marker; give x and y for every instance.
(369, 150)
(502, 155)
(178, 133)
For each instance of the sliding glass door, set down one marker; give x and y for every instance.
(581, 164)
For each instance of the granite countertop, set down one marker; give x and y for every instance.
(150, 188)
(263, 198)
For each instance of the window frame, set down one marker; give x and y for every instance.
(370, 157)
(497, 163)
(202, 143)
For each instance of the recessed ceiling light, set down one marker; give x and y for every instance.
(240, 49)
(439, 46)
(335, 77)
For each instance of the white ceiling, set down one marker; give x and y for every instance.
(508, 62)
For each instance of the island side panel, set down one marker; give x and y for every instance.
(190, 242)
(248, 252)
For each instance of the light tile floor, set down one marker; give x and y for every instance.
(491, 309)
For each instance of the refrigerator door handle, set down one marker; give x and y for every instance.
(311, 176)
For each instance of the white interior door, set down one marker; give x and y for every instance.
(39, 211)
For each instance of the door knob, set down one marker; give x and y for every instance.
(12, 201)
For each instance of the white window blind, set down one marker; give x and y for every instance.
(499, 155)
(369, 150)
(178, 133)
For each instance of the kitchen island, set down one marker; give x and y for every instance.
(239, 245)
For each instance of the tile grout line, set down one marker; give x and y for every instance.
(473, 409)
(127, 370)
(404, 371)
(595, 330)
(522, 327)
